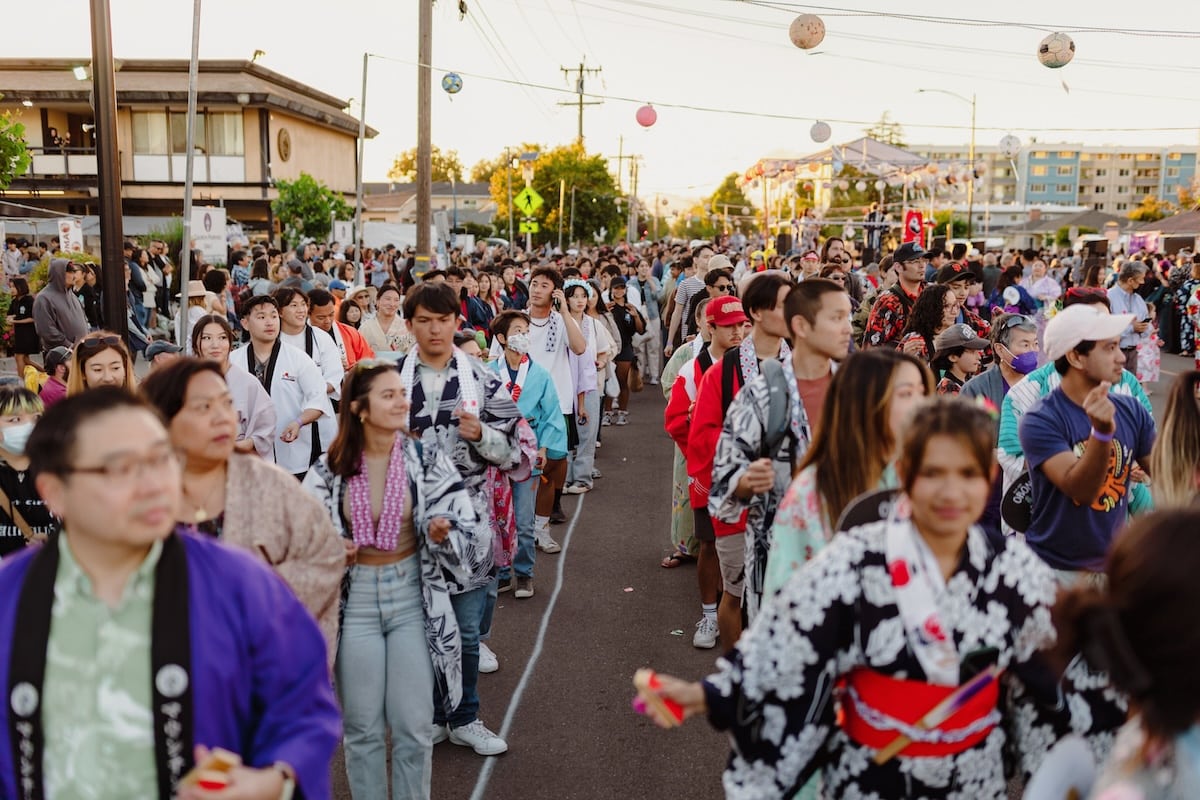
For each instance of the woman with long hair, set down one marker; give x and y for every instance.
(212, 340)
(386, 331)
(1139, 627)
(935, 310)
(919, 616)
(586, 385)
(244, 500)
(20, 318)
(350, 314)
(1175, 459)
(479, 315)
(630, 323)
(406, 520)
(100, 359)
(1010, 296)
(854, 452)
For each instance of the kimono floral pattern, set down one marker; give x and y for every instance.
(437, 491)
(774, 693)
(886, 322)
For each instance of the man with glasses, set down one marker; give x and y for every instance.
(134, 651)
(57, 315)
(890, 312)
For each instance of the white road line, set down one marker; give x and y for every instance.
(489, 764)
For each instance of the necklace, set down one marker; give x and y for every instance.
(537, 324)
(202, 508)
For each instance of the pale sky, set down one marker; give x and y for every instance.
(722, 54)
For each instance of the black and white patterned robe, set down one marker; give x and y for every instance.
(774, 692)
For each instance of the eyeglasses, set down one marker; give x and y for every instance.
(98, 343)
(838, 278)
(129, 468)
(723, 287)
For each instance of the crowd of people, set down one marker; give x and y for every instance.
(884, 475)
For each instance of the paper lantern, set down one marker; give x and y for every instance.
(814, 166)
(806, 31)
(1056, 50)
(843, 184)
(1010, 145)
(452, 83)
(880, 185)
(646, 116)
(860, 186)
(820, 132)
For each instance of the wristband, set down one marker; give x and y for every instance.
(1103, 437)
(300, 422)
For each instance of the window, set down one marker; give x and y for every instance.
(1101, 156)
(1147, 157)
(1066, 154)
(150, 133)
(1041, 154)
(1062, 171)
(1122, 190)
(1037, 188)
(218, 133)
(1126, 156)
(225, 133)
(1122, 206)
(1122, 173)
(1065, 188)
(179, 133)
(1172, 172)
(1097, 206)
(1099, 189)
(1174, 156)
(1038, 170)
(1100, 173)
(1002, 172)
(1142, 190)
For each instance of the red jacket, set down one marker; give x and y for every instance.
(356, 346)
(707, 419)
(677, 419)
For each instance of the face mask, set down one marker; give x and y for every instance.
(519, 343)
(16, 437)
(1024, 363)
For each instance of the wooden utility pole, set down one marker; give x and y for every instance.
(108, 172)
(424, 140)
(579, 73)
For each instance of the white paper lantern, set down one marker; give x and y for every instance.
(820, 132)
(1056, 50)
(843, 184)
(880, 185)
(806, 31)
(860, 186)
(1009, 146)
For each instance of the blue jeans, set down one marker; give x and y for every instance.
(524, 495)
(468, 609)
(385, 682)
(583, 457)
(489, 610)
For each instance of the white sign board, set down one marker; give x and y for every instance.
(208, 232)
(343, 232)
(70, 235)
(3, 239)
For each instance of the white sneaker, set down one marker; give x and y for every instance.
(547, 544)
(487, 659)
(440, 733)
(622, 418)
(606, 420)
(477, 737)
(577, 488)
(706, 634)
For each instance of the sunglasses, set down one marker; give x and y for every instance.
(1013, 320)
(723, 287)
(98, 343)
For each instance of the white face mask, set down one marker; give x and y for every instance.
(16, 437)
(518, 343)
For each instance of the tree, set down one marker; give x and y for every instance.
(483, 171)
(14, 154)
(1062, 236)
(887, 131)
(941, 218)
(1151, 208)
(599, 209)
(446, 166)
(727, 203)
(306, 208)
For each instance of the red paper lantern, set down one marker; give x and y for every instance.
(647, 116)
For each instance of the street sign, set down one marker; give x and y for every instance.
(528, 200)
(529, 227)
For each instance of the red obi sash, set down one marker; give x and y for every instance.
(876, 709)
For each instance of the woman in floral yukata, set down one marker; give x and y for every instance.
(918, 629)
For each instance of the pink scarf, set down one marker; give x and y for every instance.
(384, 536)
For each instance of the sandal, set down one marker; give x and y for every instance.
(676, 559)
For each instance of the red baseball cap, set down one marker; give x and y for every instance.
(725, 311)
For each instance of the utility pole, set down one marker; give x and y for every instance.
(508, 168)
(579, 73)
(424, 140)
(185, 252)
(359, 275)
(562, 196)
(104, 104)
(571, 229)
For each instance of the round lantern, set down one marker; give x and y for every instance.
(646, 116)
(1010, 145)
(860, 186)
(745, 209)
(880, 185)
(452, 83)
(820, 132)
(814, 166)
(806, 31)
(1056, 50)
(843, 184)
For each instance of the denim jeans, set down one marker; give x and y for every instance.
(489, 610)
(523, 494)
(385, 682)
(583, 457)
(468, 609)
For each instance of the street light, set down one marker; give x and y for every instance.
(970, 159)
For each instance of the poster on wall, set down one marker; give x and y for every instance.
(208, 233)
(343, 232)
(70, 235)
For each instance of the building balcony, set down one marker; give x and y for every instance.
(59, 162)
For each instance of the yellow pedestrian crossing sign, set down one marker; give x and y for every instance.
(529, 227)
(528, 201)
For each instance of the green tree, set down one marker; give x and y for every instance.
(942, 218)
(597, 210)
(14, 154)
(483, 171)
(1151, 209)
(886, 130)
(1062, 236)
(306, 207)
(446, 166)
(727, 203)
